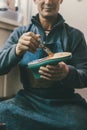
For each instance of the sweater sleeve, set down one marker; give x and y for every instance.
(8, 58)
(77, 78)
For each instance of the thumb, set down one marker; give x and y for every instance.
(38, 35)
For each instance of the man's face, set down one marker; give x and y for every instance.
(48, 8)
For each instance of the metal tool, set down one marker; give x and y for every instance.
(46, 49)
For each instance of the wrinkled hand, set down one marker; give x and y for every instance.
(54, 73)
(27, 42)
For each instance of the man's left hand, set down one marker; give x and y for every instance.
(54, 72)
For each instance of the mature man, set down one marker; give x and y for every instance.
(52, 104)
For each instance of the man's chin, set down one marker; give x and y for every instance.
(48, 16)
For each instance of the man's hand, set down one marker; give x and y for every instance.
(27, 42)
(54, 73)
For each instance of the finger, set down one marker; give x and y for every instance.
(36, 37)
(52, 78)
(32, 38)
(50, 74)
(29, 41)
(24, 45)
(45, 77)
(49, 71)
(54, 69)
(47, 74)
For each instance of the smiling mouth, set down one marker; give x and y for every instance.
(48, 9)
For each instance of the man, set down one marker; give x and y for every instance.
(52, 104)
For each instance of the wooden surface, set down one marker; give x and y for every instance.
(10, 83)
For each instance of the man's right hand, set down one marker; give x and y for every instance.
(27, 42)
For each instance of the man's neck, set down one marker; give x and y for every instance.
(47, 24)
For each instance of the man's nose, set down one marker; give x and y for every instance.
(48, 1)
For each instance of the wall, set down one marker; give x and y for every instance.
(75, 13)
(24, 10)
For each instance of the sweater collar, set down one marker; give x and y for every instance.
(35, 20)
